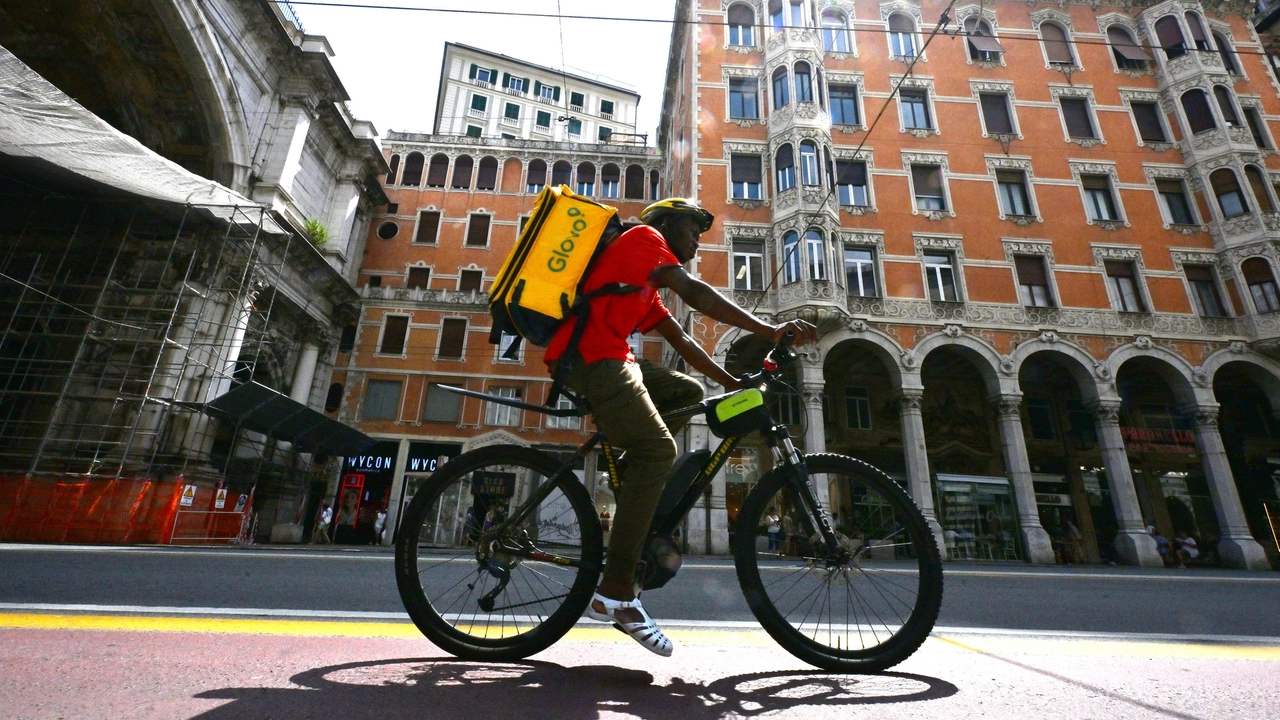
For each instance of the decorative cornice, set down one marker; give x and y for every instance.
(1043, 248)
(1102, 253)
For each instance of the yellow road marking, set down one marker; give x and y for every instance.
(1110, 648)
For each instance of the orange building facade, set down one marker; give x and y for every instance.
(1045, 278)
(457, 205)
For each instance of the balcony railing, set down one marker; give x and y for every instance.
(547, 100)
(514, 91)
(606, 116)
(575, 108)
(482, 83)
(513, 122)
(472, 112)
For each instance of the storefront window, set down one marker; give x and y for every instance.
(741, 471)
(978, 518)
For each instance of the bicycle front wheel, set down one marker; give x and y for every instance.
(862, 607)
(484, 590)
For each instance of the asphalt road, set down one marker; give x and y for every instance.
(349, 583)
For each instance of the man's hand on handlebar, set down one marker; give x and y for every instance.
(804, 332)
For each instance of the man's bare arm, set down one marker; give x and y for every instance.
(704, 298)
(693, 354)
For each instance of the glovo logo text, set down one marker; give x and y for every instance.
(560, 256)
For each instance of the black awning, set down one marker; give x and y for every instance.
(986, 44)
(260, 409)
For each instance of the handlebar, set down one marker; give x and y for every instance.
(780, 351)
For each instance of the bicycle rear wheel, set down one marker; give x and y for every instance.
(498, 594)
(863, 607)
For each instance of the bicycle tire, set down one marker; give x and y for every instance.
(868, 569)
(434, 514)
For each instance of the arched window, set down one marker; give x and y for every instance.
(586, 179)
(536, 178)
(1226, 106)
(809, 164)
(413, 169)
(438, 171)
(1226, 53)
(487, 177)
(333, 400)
(742, 20)
(815, 250)
(1262, 284)
(790, 258)
(1196, 106)
(562, 173)
(1227, 188)
(462, 172)
(394, 164)
(1056, 44)
(804, 83)
(633, 187)
(902, 35)
(775, 14)
(1198, 35)
(983, 46)
(1128, 54)
(835, 31)
(610, 181)
(781, 98)
(1258, 184)
(655, 185)
(797, 13)
(786, 168)
(1169, 30)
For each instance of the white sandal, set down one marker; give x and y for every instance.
(646, 633)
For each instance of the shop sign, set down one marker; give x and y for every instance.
(188, 495)
(428, 457)
(220, 501)
(1159, 440)
(377, 460)
(1053, 499)
(493, 484)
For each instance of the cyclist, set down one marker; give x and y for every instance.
(628, 396)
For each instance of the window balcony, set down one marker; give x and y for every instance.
(606, 116)
(510, 122)
(547, 100)
(575, 108)
(542, 128)
(472, 112)
(514, 91)
(481, 83)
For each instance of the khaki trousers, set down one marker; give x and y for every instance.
(627, 400)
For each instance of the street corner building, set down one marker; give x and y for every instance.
(458, 197)
(184, 199)
(1040, 248)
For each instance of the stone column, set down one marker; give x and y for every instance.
(1134, 545)
(812, 386)
(305, 373)
(715, 535)
(917, 460)
(1236, 546)
(1035, 541)
(397, 487)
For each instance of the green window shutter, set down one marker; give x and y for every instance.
(556, 94)
(537, 88)
(493, 75)
(506, 79)
(473, 71)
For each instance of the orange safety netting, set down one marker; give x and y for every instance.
(78, 509)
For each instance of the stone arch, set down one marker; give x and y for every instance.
(1173, 368)
(984, 357)
(1260, 369)
(1082, 366)
(879, 344)
(513, 175)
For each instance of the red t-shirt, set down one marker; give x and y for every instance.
(630, 259)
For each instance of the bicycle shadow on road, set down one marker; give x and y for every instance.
(445, 689)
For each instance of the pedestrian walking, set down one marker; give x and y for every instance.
(320, 535)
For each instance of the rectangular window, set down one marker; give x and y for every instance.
(509, 349)
(748, 265)
(1124, 283)
(564, 423)
(1040, 417)
(816, 250)
(781, 94)
(550, 93)
(785, 167)
(479, 103)
(857, 408)
(442, 405)
(382, 400)
(1033, 282)
(484, 75)
(1147, 116)
(1174, 195)
(1205, 289)
(394, 330)
(512, 82)
(606, 107)
(575, 127)
(1099, 203)
(915, 109)
(1262, 285)
(941, 278)
(473, 132)
(470, 280)
(995, 113)
(1014, 199)
(744, 98)
(844, 104)
(543, 120)
(928, 187)
(860, 272)
(453, 334)
(419, 277)
(1254, 118)
(1075, 111)
(577, 101)
(511, 111)
(604, 133)
(746, 175)
(502, 415)
(478, 230)
(851, 183)
(428, 227)
(787, 407)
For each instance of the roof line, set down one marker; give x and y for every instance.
(544, 68)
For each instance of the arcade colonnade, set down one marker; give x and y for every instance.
(1191, 388)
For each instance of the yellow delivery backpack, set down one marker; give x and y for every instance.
(539, 285)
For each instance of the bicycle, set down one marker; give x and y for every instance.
(509, 590)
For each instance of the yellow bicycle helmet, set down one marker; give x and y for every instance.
(677, 206)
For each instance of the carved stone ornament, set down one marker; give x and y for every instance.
(1093, 168)
(936, 214)
(1242, 225)
(1008, 406)
(747, 232)
(1028, 247)
(744, 147)
(977, 87)
(1205, 418)
(1110, 224)
(863, 237)
(1238, 348)
(1006, 162)
(1272, 221)
(1106, 412)
(808, 110)
(1208, 139)
(787, 198)
(1102, 253)
(1007, 366)
(1087, 142)
(1142, 342)
(1241, 135)
(858, 210)
(739, 71)
(1049, 337)
(1022, 220)
(889, 8)
(848, 153)
(925, 243)
(858, 326)
(1194, 257)
(953, 331)
(915, 157)
(910, 399)
(920, 133)
(747, 204)
(849, 129)
(1058, 16)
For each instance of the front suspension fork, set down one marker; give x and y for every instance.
(802, 483)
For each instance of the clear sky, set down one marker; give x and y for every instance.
(389, 60)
